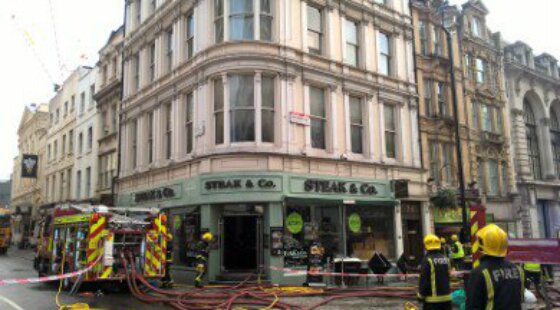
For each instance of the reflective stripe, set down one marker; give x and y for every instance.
(489, 289)
(432, 277)
(532, 267)
(460, 251)
(436, 299)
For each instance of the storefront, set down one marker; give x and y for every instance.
(270, 219)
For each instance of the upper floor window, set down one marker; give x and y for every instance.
(82, 102)
(80, 143)
(219, 20)
(246, 19)
(314, 30)
(169, 49)
(219, 111)
(436, 38)
(481, 175)
(429, 110)
(168, 130)
(91, 94)
(136, 68)
(382, 2)
(434, 161)
(242, 108)
(390, 120)
(447, 167)
(555, 139)
(356, 124)
(71, 141)
(505, 179)
(468, 66)
(442, 99)
(476, 27)
(480, 71)
(63, 145)
(384, 59)
(150, 137)
(114, 118)
(153, 5)
(134, 143)
(352, 46)
(90, 138)
(532, 140)
(318, 115)
(114, 66)
(493, 177)
(72, 102)
(190, 36)
(189, 123)
(267, 108)
(423, 37)
(138, 12)
(65, 108)
(152, 61)
(475, 115)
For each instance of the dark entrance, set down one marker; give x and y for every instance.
(412, 232)
(240, 243)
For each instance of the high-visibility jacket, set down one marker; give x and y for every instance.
(495, 284)
(457, 251)
(532, 267)
(434, 278)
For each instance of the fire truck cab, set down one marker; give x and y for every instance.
(74, 237)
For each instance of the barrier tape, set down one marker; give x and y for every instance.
(49, 278)
(296, 273)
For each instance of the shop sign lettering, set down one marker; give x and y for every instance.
(155, 195)
(239, 184)
(339, 187)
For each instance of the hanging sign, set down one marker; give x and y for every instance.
(294, 223)
(300, 118)
(29, 164)
(355, 223)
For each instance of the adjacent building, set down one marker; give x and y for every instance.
(484, 131)
(533, 94)
(61, 135)
(108, 98)
(273, 124)
(85, 139)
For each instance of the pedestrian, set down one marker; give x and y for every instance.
(167, 280)
(533, 274)
(434, 289)
(457, 253)
(202, 258)
(496, 283)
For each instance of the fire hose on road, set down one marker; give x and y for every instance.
(245, 295)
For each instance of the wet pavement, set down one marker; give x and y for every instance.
(19, 264)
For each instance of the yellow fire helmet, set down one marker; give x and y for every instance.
(454, 238)
(208, 237)
(432, 242)
(442, 240)
(493, 241)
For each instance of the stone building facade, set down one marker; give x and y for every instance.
(484, 129)
(59, 164)
(108, 98)
(274, 123)
(86, 132)
(533, 93)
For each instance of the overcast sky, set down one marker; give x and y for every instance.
(30, 62)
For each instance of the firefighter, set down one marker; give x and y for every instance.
(496, 283)
(434, 290)
(457, 253)
(167, 280)
(533, 274)
(202, 258)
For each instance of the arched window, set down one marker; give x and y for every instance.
(532, 140)
(555, 139)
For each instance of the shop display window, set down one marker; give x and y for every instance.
(305, 224)
(369, 229)
(186, 231)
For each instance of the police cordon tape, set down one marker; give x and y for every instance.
(50, 278)
(297, 273)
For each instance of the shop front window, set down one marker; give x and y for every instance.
(186, 232)
(306, 224)
(369, 230)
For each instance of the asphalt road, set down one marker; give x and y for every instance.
(19, 264)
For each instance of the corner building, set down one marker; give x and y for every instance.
(272, 124)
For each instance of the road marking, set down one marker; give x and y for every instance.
(11, 303)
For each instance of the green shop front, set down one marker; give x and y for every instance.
(266, 221)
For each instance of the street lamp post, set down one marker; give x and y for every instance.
(448, 22)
